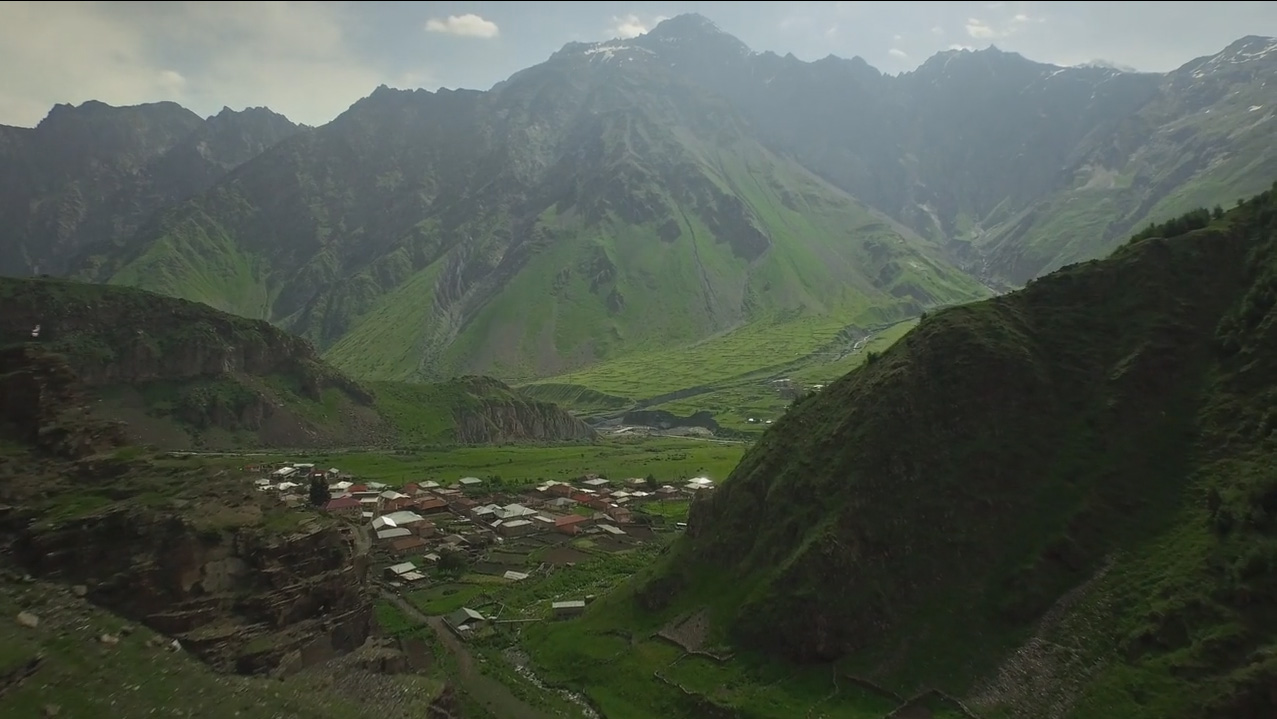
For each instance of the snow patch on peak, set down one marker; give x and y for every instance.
(609, 51)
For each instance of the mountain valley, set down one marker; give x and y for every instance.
(628, 197)
(665, 379)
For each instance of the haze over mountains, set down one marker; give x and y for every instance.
(631, 195)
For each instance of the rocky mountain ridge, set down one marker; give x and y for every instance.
(94, 173)
(646, 192)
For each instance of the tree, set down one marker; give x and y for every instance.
(650, 481)
(452, 561)
(319, 494)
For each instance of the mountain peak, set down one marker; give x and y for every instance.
(1238, 56)
(692, 33)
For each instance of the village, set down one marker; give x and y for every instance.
(424, 534)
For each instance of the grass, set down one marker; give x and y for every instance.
(761, 349)
(729, 376)
(84, 678)
(578, 398)
(520, 465)
(449, 597)
(628, 673)
(382, 343)
(673, 510)
(198, 260)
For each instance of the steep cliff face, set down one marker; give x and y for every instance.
(496, 421)
(41, 405)
(474, 410)
(241, 599)
(492, 412)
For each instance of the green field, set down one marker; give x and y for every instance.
(753, 349)
(665, 458)
(734, 403)
(731, 375)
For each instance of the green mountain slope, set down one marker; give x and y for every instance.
(590, 206)
(1202, 139)
(180, 373)
(1019, 166)
(91, 175)
(1054, 503)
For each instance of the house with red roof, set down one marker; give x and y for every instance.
(570, 523)
(344, 507)
(431, 504)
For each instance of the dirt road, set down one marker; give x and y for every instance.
(492, 694)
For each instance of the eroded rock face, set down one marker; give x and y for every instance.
(496, 422)
(239, 599)
(41, 405)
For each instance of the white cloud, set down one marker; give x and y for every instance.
(291, 56)
(1021, 17)
(980, 29)
(957, 46)
(897, 37)
(897, 52)
(468, 25)
(629, 26)
(937, 30)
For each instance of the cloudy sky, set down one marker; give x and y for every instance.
(311, 60)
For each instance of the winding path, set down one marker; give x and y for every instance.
(492, 694)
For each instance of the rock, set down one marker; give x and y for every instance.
(175, 646)
(29, 620)
(126, 630)
(52, 710)
(109, 639)
(79, 590)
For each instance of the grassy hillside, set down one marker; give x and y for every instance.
(616, 286)
(1202, 139)
(580, 212)
(1053, 503)
(182, 374)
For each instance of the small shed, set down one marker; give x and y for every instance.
(463, 618)
(395, 571)
(569, 608)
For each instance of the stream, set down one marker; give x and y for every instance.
(519, 661)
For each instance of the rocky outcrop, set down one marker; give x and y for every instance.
(114, 336)
(240, 599)
(183, 363)
(498, 421)
(488, 411)
(41, 406)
